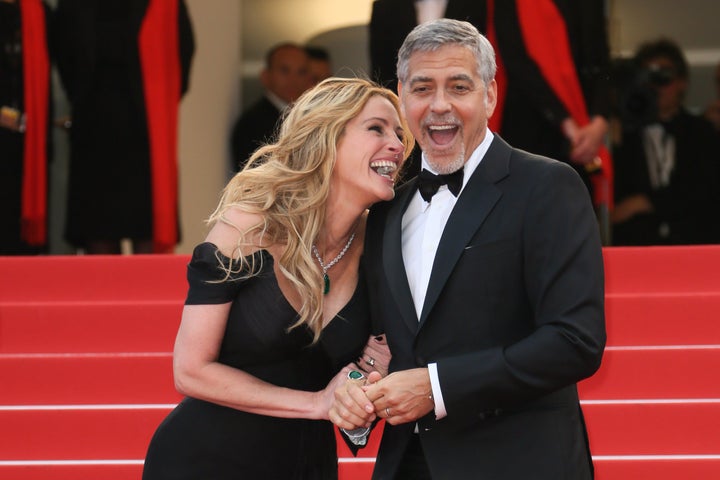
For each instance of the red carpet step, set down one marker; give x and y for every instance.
(86, 366)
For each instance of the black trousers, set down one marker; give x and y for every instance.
(413, 465)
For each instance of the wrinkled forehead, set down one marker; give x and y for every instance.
(444, 62)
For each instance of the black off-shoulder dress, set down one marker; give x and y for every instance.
(204, 441)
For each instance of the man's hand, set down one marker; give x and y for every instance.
(631, 206)
(403, 396)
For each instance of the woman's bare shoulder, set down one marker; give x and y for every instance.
(228, 232)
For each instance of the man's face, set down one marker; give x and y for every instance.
(318, 70)
(447, 105)
(287, 74)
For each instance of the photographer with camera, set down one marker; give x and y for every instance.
(666, 159)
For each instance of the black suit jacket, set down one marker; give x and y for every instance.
(255, 127)
(513, 317)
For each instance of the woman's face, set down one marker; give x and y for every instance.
(369, 154)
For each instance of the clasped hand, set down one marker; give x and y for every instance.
(401, 397)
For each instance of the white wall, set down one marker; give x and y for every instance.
(268, 22)
(207, 113)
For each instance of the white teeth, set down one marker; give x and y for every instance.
(384, 167)
(441, 127)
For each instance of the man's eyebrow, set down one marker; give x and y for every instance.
(419, 79)
(464, 77)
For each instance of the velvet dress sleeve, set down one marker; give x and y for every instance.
(207, 278)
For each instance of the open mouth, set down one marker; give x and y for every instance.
(384, 168)
(442, 134)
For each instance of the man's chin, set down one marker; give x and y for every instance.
(445, 160)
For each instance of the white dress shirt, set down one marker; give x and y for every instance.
(422, 226)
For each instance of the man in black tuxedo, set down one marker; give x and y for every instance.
(284, 78)
(490, 291)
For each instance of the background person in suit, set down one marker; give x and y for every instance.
(25, 110)
(490, 292)
(667, 162)
(534, 115)
(284, 78)
(124, 69)
(392, 20)
(319, 64)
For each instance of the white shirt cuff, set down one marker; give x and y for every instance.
(440, 411)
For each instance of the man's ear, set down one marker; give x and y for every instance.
(491, 97)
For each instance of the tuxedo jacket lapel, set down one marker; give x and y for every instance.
(473, 206)
(393, 259)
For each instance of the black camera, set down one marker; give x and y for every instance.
(634, 92)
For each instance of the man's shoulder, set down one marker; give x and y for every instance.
(260, 116)
(261, 106)
(503, 159)
(533, 161)
(526, 170)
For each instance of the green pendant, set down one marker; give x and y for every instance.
(327, 284)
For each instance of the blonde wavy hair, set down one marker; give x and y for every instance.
(287, 183)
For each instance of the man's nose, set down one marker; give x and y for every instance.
(440, 102)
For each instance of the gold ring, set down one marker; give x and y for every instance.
(370, 361)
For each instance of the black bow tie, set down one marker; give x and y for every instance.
(428, 183)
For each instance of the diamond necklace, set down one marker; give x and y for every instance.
(332, 262)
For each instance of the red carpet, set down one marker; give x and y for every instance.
(85, 366)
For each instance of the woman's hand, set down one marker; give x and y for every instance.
(351, 408)
(376, 356)
(324, 398)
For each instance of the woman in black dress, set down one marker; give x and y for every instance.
(276, 309)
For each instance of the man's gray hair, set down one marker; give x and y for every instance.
(430, 36)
